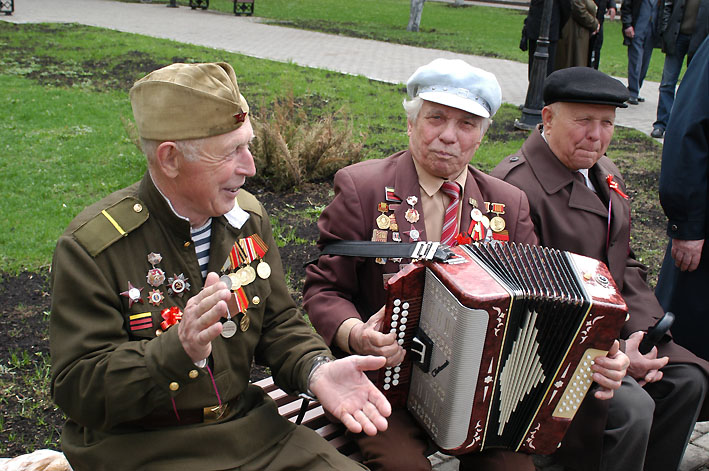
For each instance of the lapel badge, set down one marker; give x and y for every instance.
(414, 234)
(390, 196)
(392, 223)
(411, 215)
(476, 215)
(155, 297)
(379, 235)
(412, 200)
(396, 236)
(380, 261)
(178, 285)
(473, 202)
(133, 294)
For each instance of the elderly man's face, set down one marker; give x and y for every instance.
(578, 133)
(443, 140)
(207, 186)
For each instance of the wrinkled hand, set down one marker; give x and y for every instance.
(345, 391)
(629, 32)
(609, 371)
(200, 320)
(687, 253)
(643, 368)
(366, 339)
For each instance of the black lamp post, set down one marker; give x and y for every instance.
(534, 102)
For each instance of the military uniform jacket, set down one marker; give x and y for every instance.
(569, 216)
(109, 373)
(338, 288)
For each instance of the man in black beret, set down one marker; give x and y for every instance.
(579, 203)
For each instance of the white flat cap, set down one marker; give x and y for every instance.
(455, 83)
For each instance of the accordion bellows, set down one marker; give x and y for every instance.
(500, 340)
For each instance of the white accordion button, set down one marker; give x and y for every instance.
(400, 341)
(397, 369)
(395, 382)
(387, 372)
(402, 327)
(405, 305)
(401, 336)
(396, 310)
(387, 379)
(403, 320)
(397, 302)
(394, 318)
(386, 387)
(404, 313)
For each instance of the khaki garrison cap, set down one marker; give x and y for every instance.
(188, 101)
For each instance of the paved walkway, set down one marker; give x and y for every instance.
(373, 59)
(245, 35)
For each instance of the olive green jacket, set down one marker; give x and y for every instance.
(109, 373)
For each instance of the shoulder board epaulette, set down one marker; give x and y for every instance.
(111, 224)
(248, 202)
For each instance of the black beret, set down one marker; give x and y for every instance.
(584, 85)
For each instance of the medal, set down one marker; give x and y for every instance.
(396, 237)
(383, 221)
(178, 284)
(155, 297)
(228, 329)
(380, 261)
(392, 223)
(497, 224)
(246, 275)
(244, 323)
(414, 234)
(235, 281)
(226, 280)
(263, 270)
(485, 221)
(411, 215)
(412, 200)
(133, 294)
(155, 276)
(476, 215)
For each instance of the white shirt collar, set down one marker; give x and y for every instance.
(237, 217)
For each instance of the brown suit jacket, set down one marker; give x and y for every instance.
(569, 216)
(338, 288)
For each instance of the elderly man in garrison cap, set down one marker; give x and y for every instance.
(151, 347)
(579, 203)
(428, 192)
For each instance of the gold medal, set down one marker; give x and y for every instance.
(379, 235)
(383, 222)
(246, 275)
(263, 269)
(497, 224)
(245, 323)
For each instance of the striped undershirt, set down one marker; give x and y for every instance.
(200, 237)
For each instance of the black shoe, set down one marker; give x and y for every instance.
(632, 101)
(657, 132)
(641, 99)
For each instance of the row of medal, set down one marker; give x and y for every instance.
(241, 273)
(238, 271)
(481, 227)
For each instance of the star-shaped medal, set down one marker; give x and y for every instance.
(133, 294)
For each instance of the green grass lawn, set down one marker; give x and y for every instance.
(470, 29)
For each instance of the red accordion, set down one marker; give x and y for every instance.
(500, 339)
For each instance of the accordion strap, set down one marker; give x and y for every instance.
(419, 250)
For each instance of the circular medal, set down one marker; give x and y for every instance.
(235, 281)
(411, 215)
(497, 224)
(178, 284)
(383, 222)
(155, 277)
(228, 329)
(263, 269)
(226, 280)
(485, 221)
(414, 234)
(246, 275)
(476, 215)
(245, 323)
